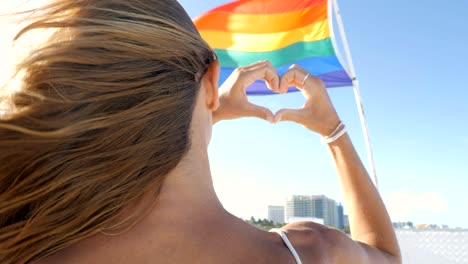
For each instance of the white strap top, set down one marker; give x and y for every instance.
(288, 244)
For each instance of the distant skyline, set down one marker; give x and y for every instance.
(410, 57)
(428, 223)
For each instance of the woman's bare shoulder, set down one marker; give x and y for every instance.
(316, 243)
(310, 231)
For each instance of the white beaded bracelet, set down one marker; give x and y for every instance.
(336, 134)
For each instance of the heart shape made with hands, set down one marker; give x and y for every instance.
(270, 114)
(317, 113)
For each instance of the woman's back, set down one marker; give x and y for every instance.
(180, 232)
(219, 240)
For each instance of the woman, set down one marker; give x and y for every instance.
(104, 149)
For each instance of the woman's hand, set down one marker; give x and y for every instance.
(318, 113)
(233, 101)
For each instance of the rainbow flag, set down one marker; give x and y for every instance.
(284, 32)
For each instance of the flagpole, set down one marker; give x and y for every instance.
(357, 93)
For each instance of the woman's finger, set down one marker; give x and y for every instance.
(294, 115)
(299, 77)
(295, 75)
(253, 110)
(260, 70)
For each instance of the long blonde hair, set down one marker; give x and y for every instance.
(104, 112)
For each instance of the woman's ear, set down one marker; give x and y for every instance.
(210, 83)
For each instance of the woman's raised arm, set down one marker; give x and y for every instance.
(373, 237)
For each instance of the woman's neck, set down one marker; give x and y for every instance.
(190, 183)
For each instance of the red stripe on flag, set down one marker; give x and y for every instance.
(266, 6)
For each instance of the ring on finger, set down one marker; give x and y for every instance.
(305, 78)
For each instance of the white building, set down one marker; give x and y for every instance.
(316, 206)
(276, 214)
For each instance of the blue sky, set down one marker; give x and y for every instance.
(410, 57)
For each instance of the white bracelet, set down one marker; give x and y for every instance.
(338, 127)
(332, 138)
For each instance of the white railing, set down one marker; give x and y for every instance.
(433, 246)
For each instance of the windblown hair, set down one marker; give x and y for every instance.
(104, 113)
